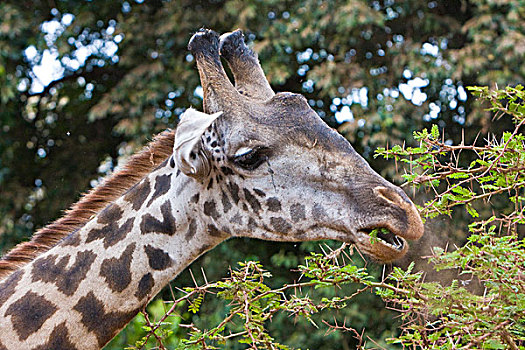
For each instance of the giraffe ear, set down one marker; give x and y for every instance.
(188, 151)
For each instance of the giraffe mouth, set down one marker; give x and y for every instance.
(384, 237)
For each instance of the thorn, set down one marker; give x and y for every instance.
(320, 246)
(193, 278)
(204, 275)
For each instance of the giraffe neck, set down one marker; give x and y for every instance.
(83, 291)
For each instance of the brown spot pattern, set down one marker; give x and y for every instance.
(66, 279)
(251, 223)
(29, 313)
(226, 205)
(114, 186)
(158, 259)
(104, 325)
(214, 231)
(195, 198)
(192, 229)
(234, 191)
(111, 233)
(116, 271)
(300, 233)
(203, 249)
(210, 209)
(7, 287)
(226, 171)
(137, 194)
(182, 186)
(111, 213)
(259, 192)
(297, 212)
(252, 200)
(273, 204)
(145, 285)
(162, 186)
(166, 226)
(73, 240)
(237, 219)
(280, 225)
(318, 212)
(59, 339)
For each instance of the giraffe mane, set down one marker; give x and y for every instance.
(113, 186)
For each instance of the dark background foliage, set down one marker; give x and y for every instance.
(84, 84)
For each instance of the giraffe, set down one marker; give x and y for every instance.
(254, 164)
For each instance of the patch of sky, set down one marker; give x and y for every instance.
(53, 29)
(126, 7)
(462, 94)
(379, 70)
(411, 90)
(304, 55)
(169, 103)
(46, 71)
(302, 70)
(199, 92)
(67, 19)
(88, 91)
(48, 67)
(398, 38)
(390, 13)
(174, 94)
(429, 49)
(308, 86)
(434, 110)
(106, 166)
(460, 119)
(359, 96)
(356, 96)
(394, 93)
(344, 115)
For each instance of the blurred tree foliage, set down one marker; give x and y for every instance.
(83, 84)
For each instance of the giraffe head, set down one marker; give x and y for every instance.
(268, 167)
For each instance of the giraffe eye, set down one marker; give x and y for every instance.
(251, 158)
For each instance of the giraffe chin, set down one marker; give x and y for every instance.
(384, 248)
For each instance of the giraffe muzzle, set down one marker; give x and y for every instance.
(391, 232)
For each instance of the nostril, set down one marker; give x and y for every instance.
(411, 220)
(389, 195)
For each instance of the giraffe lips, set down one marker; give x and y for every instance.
(384, 237)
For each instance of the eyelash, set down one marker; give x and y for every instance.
(252, 159)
